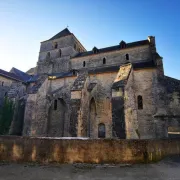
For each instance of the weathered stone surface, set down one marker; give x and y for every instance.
(75, 93)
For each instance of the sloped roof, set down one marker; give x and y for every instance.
(61, 74)
(143, 64)
(113, 48)
(22, 75)
(79, 82)
(39, 80)
(10, 75)
(171, 84)
(30, 71)
(64, 32)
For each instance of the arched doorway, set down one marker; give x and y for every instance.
(92, 118)
(57, 117)
(101, 131)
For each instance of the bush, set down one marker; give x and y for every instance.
(6, 116)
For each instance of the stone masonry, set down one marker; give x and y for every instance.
(114, 92)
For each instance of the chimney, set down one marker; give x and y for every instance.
(151, 40)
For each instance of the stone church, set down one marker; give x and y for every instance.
(113, 92)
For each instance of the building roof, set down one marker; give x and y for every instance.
(31, 71)
(60, 75)
(10, 75)
(39, 80)
(64, 32)
(171, 84)
(22, 75)
(112, 48)
(143, 64)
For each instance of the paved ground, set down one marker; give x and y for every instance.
(168, 169)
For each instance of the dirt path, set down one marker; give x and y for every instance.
(168, 169)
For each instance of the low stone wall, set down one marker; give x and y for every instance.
(44, 150)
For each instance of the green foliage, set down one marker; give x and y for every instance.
(6, 116)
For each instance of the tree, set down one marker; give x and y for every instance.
(6, 116)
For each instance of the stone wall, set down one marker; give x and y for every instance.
(100, 95)
(57, 59)
(37, 150)
(112, 58)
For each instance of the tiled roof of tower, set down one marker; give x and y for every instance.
(63, 33)
(113, 48)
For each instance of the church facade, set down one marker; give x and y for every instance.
(114, 92)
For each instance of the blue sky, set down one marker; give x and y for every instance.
(100, 23)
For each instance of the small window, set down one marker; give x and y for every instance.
(48, 55)
(3, 83)
(74, 72)
(84, 63)
(56, 45)
(101, 131)
(60, 53)
(127, 56)
(75, 46)
(55, 104)
(104, 60)
(140, 102)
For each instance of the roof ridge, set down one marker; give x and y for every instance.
(113, 48)
(62, 33)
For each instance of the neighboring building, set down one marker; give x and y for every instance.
(119, 91)
(10, 79)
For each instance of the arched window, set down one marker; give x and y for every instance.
(75, 46)
(55, 104)
(140, 102)
(60, 53)
(127, 56)
(84, 63)
(3, 83)
(104, 60)
(48, 55)
(101, 131)
(74, 72)
(108, 103)
(55, 45)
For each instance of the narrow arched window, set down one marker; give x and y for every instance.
(60, 53)
(101, 131)
(127, 56)
(84, 63)
(140, 102)
(56, 45)
(55, 104)
(104, 60)
(3, 83)
(75, 46)
(48, 55)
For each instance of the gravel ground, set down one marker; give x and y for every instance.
(167, 169)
